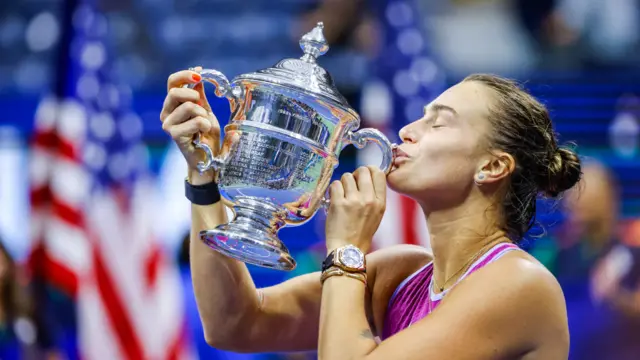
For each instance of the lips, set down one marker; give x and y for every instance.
(399, 156)
(397, 152)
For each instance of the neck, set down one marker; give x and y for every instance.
(458, 237)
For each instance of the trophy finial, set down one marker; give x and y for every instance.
(314, 44)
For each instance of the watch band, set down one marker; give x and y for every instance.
(205, 194)
(328, 261)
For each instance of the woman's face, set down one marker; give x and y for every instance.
(441, 152)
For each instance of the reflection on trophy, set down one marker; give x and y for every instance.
(287, 128)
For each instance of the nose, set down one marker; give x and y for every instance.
(406, 135)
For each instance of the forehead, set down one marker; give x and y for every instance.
(470, 99)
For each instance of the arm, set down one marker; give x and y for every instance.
(482, 319)
(232, 313)
(236, 316)
(225, 293)
(287, 318)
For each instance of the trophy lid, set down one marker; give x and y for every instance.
(304, 73)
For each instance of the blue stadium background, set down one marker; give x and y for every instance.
(152, 38)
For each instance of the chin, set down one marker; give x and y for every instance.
(399, 181)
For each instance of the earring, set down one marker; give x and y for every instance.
(479, 177)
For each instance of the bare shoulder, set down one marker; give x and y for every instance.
(517, 295)
(517, 277)
(526, 275)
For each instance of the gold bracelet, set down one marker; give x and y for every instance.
(335, 271)
(332, 271)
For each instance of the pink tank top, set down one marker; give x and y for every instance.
(414, 298)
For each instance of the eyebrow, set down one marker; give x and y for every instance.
(440, 107)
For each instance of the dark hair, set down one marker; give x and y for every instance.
(522, 127)
(12, 300)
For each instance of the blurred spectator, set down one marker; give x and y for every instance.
(592, 217)
(22, 333)
(608, 30)
(615, 288)
(598, 268)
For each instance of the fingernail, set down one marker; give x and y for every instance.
(196, 77)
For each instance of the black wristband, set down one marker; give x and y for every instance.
(205, 194)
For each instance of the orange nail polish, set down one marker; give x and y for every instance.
(196, 77)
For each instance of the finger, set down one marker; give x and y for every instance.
(364, 182)
(349, 185)
(336, 191)
(182, 78)
(204, 102)
(190, 127)
(183, 113)
(176, 97)
(379, 182)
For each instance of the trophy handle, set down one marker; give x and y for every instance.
(223, 88)
(360, 139)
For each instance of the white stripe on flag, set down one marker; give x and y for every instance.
(68, 245)
(97, 340)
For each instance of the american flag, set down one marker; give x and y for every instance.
(406, 79)
(93, 208)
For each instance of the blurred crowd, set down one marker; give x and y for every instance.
(581, 56)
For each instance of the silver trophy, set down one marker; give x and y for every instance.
(287, 128)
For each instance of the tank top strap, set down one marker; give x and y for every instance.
(490, 256)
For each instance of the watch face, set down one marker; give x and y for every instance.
(352, 257)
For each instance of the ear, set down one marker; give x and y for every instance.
(498, 167)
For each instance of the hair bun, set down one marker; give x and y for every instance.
(564, 171)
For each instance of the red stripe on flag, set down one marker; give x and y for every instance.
(51, 141)
(408, 210)
(152, 266)
(45, 139)
(179, 343)
(123, 328)
(40, 196)
(66, 213)
(54, 272)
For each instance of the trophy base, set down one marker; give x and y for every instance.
(250, 240)
(251, 247)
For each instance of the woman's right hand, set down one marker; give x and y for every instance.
(185, 113)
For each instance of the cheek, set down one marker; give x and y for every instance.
(443, 160)
(446, 155)
(438, 168)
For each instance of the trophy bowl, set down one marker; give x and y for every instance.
(287, 128)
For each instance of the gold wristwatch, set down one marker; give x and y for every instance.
(348, 258)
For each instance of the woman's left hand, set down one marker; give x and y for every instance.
(358, 202)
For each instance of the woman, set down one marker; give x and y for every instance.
(475, 162)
